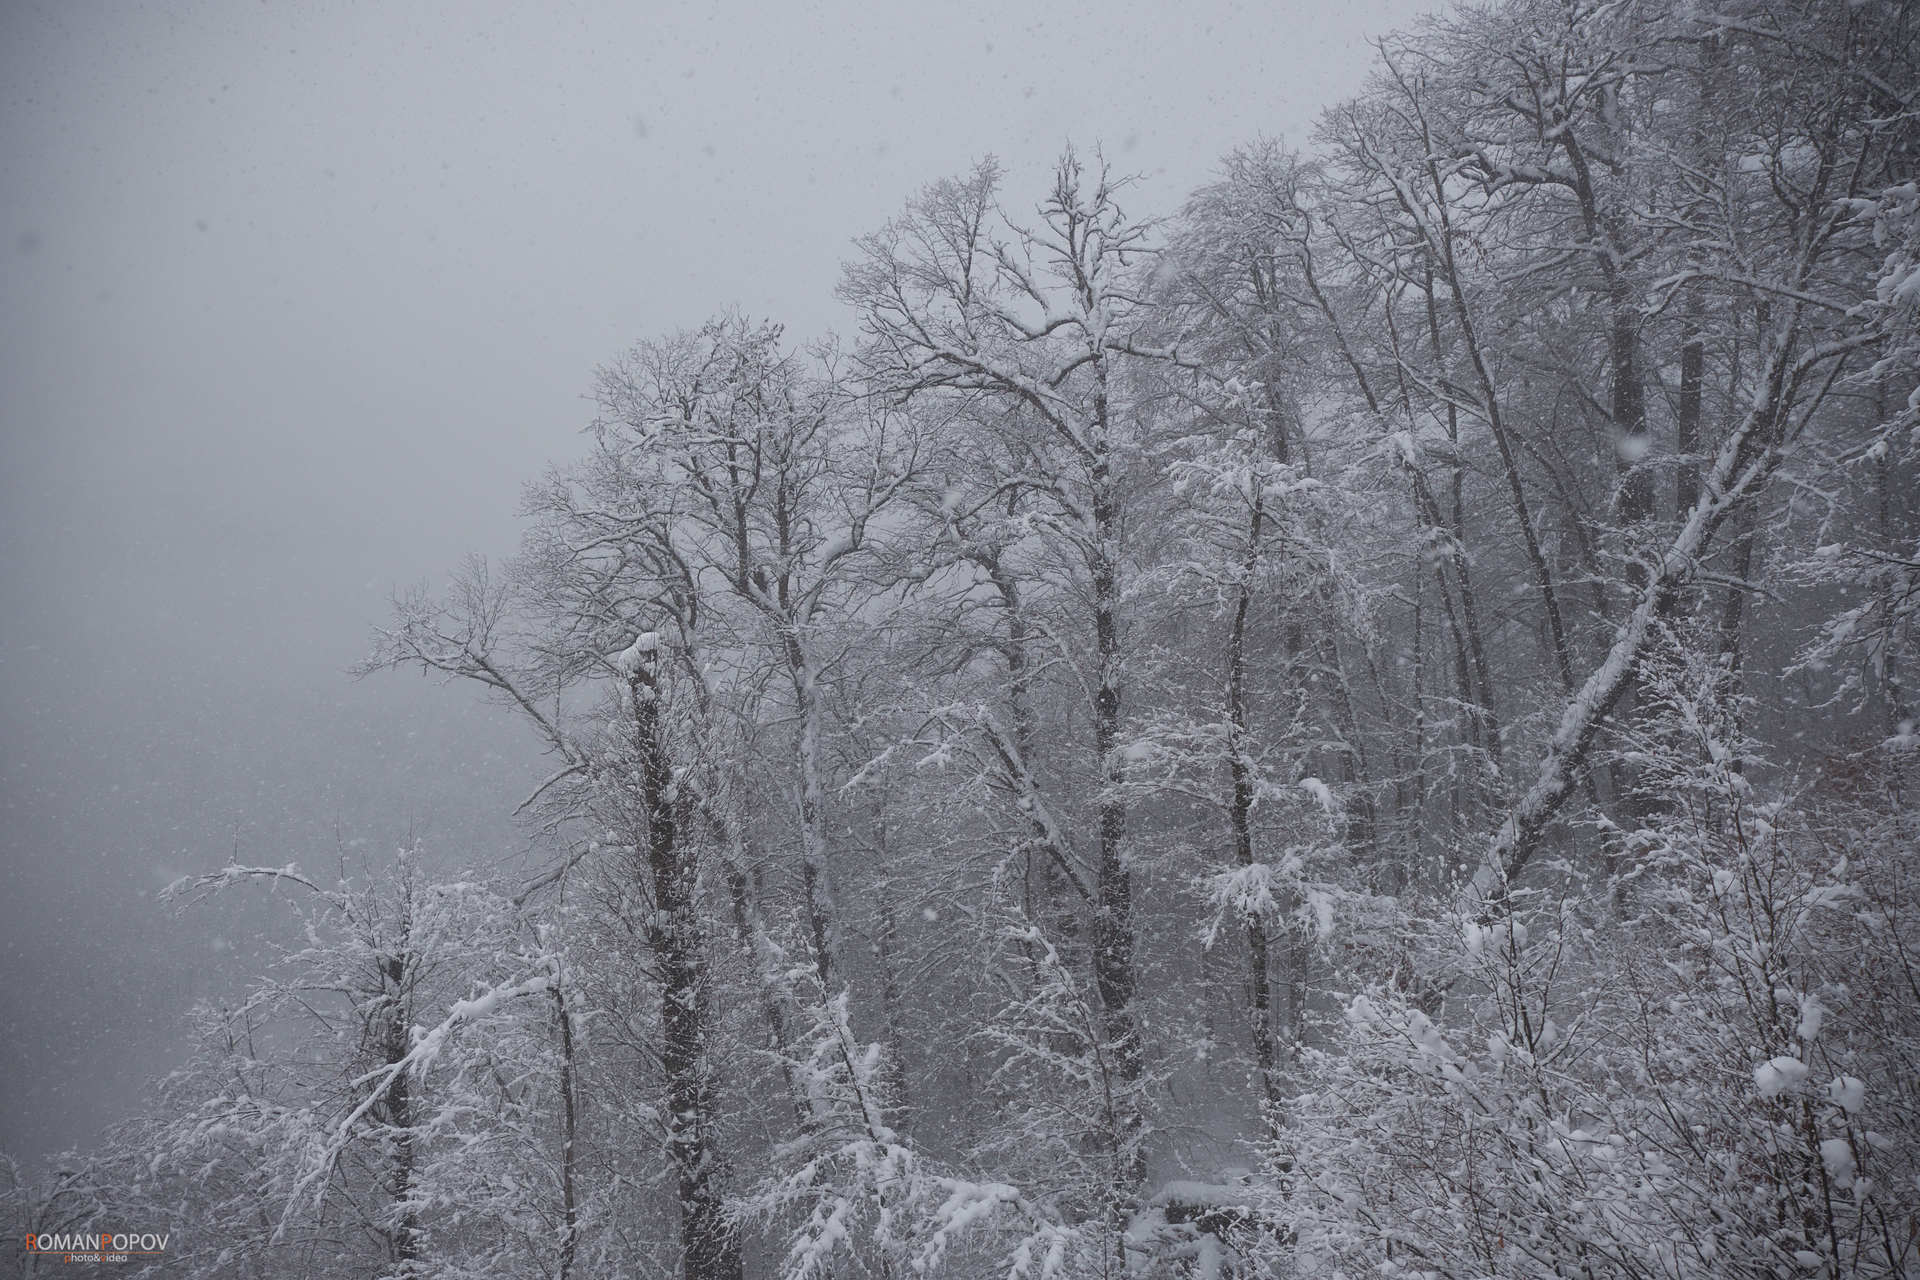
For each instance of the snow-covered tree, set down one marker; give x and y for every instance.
(1717, 1086)
(1046, 322)
(331, 1118)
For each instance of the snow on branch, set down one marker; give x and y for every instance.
(851, 1175)
(196, 888)
(1741, 468)
(427, 1047)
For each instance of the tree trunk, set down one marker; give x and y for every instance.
(404, 1242)
(813, 853)
(1259, 983)
(708, 1243)
(569, 1151)
(1686, 440)
(1113, 968)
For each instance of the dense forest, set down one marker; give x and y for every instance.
(1359, 728)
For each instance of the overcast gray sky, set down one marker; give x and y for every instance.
(296, 296)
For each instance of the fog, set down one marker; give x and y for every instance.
(298, 296)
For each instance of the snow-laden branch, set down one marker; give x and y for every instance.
(853, 1173)
(427, 1047)
(1740, 470)
(1033, 802)
(200, 886)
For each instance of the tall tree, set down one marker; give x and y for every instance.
(954, 297)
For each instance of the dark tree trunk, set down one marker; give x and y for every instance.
(1686, 441)
(1635, 501)
(570, 1118)
(709, 1245)
(404, 1242)
(1259, 983)
(1113, 968)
